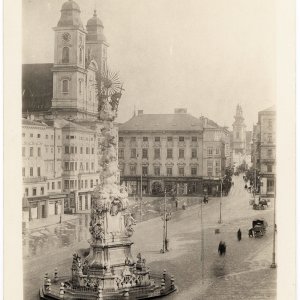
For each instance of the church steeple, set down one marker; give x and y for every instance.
(96, 42)
(239, 131)
(70, 95)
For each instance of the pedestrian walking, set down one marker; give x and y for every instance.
(176, 204)
(250, 232)
(239, 235)
(222, 248)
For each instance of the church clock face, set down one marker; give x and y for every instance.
(66, 37)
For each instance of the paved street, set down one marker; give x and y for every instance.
(243, 273)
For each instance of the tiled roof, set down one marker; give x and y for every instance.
(66, 124)
(37, 87)
(34, 123)
(162, 122)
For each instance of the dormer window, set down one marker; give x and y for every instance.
(65, 55)
(65, 86)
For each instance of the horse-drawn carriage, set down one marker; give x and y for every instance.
(258, 229)
(260, 205)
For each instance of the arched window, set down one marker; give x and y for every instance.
(65, 55)
(80, 55)
(65, 86)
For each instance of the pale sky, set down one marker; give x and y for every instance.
(205, 55)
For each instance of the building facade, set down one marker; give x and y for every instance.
(216, 155)
(264, 151)
(60, 167)
(172, 152)
(41, 170)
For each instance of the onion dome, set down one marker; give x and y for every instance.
(94, 28)
(70, 15)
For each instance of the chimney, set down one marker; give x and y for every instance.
(180, 111)
(140, 112)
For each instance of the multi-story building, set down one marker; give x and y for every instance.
(60, 167)
(264, 151)
(168, 151)
(41, 170)
(216, 154)
(79, 163)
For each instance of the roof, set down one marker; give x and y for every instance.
(269, 109)
(32, 123)
(162, 122)
(70, 15)
(37, 87)
(66, 124)
(94, 28)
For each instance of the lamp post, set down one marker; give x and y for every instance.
(166, 217)
(220, 219)
(141, 190)
(274, 265)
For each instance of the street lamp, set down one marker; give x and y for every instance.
(274, 265)
(220, 219)
(166, 217)
(141, 216)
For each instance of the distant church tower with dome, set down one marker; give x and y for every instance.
(240, 139)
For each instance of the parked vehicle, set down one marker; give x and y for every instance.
(258, 228)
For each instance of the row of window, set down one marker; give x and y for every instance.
(210, 151)
(157, 153)
(72, 184)
(72, 166)
(157, 171)
(73, 137)
(31, 172)
(42, 190)
(73, 150)
(38, 151)
(157, 139)
(39, 136)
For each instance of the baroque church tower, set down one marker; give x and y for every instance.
(239, 132)
(96, 45)
(74, 76)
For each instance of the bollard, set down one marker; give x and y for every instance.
(172, 282)
(55, 274)
(45, 278)
(62, 290)
(100, 293)
(48, 286)
(163, 285)
(126, 293)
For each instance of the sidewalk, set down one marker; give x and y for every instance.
(50, 221)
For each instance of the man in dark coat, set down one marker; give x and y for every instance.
(239, 235)
(222, 248)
